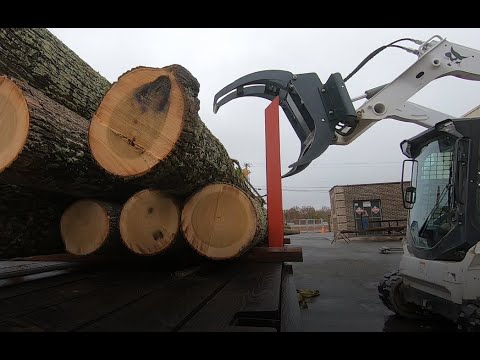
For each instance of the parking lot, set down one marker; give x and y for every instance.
(347, 276)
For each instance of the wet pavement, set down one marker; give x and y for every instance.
(347, 276)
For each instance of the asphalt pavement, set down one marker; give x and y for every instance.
(347, 276)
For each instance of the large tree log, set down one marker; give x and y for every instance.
(29, 221)
(150, 223)
(41, 59)
(44, 145)
(90, 226)
(147, 129)
(222, 222)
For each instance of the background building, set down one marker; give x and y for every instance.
(382, 201)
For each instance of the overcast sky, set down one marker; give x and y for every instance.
(217, 57)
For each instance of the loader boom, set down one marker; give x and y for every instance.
(323, 114)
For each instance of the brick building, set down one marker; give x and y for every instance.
(382, 201)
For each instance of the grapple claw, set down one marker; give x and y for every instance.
(295, 170)
(258, 91)
(313, 108)
(319, 140)
(270, 81)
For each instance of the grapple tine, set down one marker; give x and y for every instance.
(257, 91)
(295, 170)
(278, 78)
(320, 140)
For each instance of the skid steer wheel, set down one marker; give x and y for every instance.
(390, 293)
(469, 318)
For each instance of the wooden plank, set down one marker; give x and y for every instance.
(17, 286)
(7, 264)
(75, 258)
(374, 229)
(166, 308)
(385, 228)
(290, 231)
(72, 314)
(107, 261)
(21, 268)
(253, 292)
(280, 254)
(249, 329)
(290, 309)
(340, 235)
(20, 305)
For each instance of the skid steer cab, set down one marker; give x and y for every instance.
(439, 272)
(443, 192)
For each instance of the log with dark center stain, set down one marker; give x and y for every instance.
(155, 95)
(197, 157)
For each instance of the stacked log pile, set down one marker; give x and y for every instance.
(125, 166)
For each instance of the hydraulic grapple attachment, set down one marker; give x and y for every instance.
(314, 109)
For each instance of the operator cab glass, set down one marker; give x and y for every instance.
(431, 215)
(477, 194)
(444, 216)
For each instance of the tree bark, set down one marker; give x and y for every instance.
(41, 59)
(148, 131)
(90, 226)
(222, 222)
(150, 223)
(29, 221)
(43, 145)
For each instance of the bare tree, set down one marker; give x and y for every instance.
(245, 170)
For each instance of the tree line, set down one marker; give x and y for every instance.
(306, 212)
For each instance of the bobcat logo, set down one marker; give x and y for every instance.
(454, 57)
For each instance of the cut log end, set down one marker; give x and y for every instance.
(84, 227)
(138, 122)
(149, 222)
(14, 122)
(219, 221)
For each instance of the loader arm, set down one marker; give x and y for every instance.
(436, 59)
(323, 114)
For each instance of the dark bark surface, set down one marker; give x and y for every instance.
(40, 58)
(262, 224)
(113, 243)
(56, 156)
(30, 221)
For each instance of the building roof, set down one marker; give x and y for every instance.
(381, 183)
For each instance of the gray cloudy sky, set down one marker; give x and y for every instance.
(219, 56)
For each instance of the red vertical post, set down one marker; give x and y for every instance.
(274, 175)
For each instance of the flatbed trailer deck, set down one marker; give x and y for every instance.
(133, 296)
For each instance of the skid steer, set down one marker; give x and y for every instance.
(439, 272)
